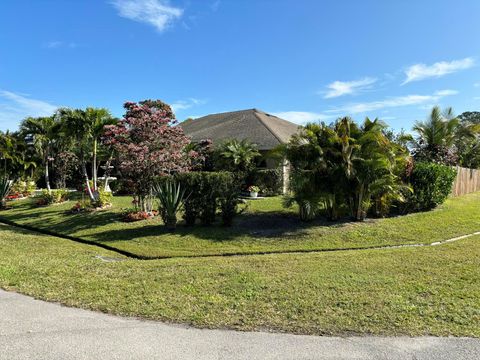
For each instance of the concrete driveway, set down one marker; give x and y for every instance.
(33, 329)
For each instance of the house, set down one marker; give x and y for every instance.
(265, 130)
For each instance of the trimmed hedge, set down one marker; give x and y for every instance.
(431, 183)
(206, 192)
(270, 181)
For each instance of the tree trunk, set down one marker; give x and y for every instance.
(94, 166)
(47, 177)
(85, 175)
(359, 213)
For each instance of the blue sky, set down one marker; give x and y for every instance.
(304, 60)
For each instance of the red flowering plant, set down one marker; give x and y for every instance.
(148, 144)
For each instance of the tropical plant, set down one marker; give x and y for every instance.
(5, 187)
(171, 196)
(343, 163)
(444, 138)
(236, 156)
(98, 119)
(44, 132)
(468, 144)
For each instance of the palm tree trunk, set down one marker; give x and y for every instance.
(359, 214)
(85, 175)
(94, 166)
(47, 177)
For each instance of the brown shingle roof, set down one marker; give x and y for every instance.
(265, 130)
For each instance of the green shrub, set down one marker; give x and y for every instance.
(228, 200)
(53, 197)
(103, 198)
(270, 181)
(431, 183)
(206, 192)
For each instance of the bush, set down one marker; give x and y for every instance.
(52, 197)
(207, 191)
(270, 181)
(431, 183)
(103, 198)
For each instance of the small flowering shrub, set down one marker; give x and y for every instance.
(80, 206)
(22, 188)
(132, 215)
(53, 197)
(253, 188)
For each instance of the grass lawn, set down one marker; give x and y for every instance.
(265, 227)
(412, 291)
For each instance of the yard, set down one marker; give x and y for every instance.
(410, 291)
(265, 227)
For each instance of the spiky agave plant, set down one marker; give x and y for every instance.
(5, 187)
(171, 197)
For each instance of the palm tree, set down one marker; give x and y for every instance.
(237, 155)
(78, 129)
(44, 132)
(440, 129)
(86, 127)
(97, 119)
(6, 150)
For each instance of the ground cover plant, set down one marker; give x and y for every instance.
(409, 291)
(264, 227)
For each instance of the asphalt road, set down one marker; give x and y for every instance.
(33, 329)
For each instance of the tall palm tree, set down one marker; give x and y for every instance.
(44, 132)
(97, 119)
(86, 127)
(439, 129)
(78, 129)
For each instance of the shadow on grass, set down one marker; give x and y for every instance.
(107, 227)
(259, 225)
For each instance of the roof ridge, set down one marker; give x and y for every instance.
(256, 112)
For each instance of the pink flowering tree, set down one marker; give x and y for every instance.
(149, 145)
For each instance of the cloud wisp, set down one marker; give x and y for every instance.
(157, 13)
(186, 104)
(15, 107)
(422, 71)
(340, 88)
(397, 101)
(60, 44)
(302, 117)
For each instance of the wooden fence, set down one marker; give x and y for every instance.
(467, 181)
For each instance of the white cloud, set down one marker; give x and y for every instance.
(301, 117)
(421, 71)
(391, 102)
(477, 84)
(186, 104)
(158, 13)
(339, 88)
(15, 107)
(60, 44)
